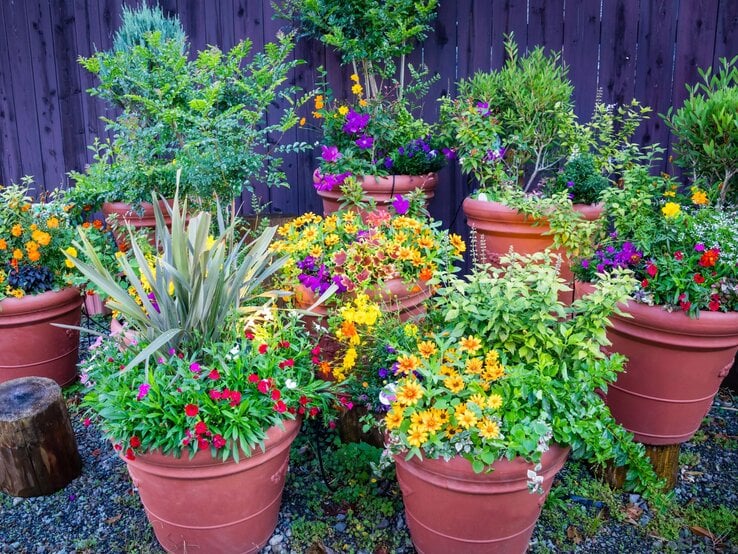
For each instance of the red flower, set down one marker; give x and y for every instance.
(263, 386)
(218, 441)
(301, 410)
(289, 362)
(332, 424)
(276, 395)
(191, 410)
(303, 400)
(709, 257)
(201, 428)
(135, 442)
(215, 394)
(314, 411)
(87, 422)
(280, 407)
(698, 278)
(249, 335)
(684, 304)
(117, 447)
(130, 455)
(315, 351)
(284, 344)
(714, 305)
(202, 442)
(644, 283)
(214, 375)
(235, 398)
(678, 255)
(185, 441)
(253, 378)
(263, 348)
(651, 269)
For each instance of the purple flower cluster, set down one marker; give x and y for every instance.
(483, 109)
(495, 155)
(316, 277)
(355, 122)
(611, 257)
(330, 181)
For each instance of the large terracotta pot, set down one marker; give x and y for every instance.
(30, 345)
(500, 228)
(449, 508)
(382, 189)
(674, 369)
(124, 214)
(207, 505)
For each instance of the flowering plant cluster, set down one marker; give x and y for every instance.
(503, 369)
(222, 397)
(375, 136)
(32, 237)
(361, 252)
(680, 246)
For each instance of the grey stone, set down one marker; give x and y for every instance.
(340, 526)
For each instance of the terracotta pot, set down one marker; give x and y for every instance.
(501, 227)
(94, 305)
(207, 505)
(382, 189)
(125, 214)
(675, 367)
(30, 345)
(449, 508)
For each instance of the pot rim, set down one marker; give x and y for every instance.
(35, 303)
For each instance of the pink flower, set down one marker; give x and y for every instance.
(330, 154)
(195, 367)
(202, 443)
(130, 455)
(276, 394)
(214, 375)
(280, 407)
(218, 441)
(235, 398)
(201, 428)
(253, 378)
(263, 348)
(143, 390)
(135, 442)
(678, 255)
(651, 269)
(215, 394)
(191, 410)
(699, 247)
(87, 422)
(263, 386)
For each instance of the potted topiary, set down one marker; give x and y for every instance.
(203, 389)
(500, 387)
(206, 116)
(377, 137)
(515, 127)
(35, 287)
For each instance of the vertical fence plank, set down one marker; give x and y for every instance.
(581, 52)
(508, 16)
(726, 34)
(618, 47)
(546, 24)
(12, 164)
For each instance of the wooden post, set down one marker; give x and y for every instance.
(38, 452)
(664, 460)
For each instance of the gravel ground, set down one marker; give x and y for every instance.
(100, 512)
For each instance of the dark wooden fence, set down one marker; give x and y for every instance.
(647, 49)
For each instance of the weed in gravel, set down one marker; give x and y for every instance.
(689, 459)
(308, 535)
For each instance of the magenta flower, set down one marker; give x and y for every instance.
(401, 205)
(355, 122)
(364, 142)
(143, 390)
(330, 181)
(195, 367)
(699, 247)
(330, 154)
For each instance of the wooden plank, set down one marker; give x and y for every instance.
(192, 15)
(581, 52)
(656, 38)
(10, 160)
(618, 46)
(23, 87)
(87, 24)
(109, 14)
(726, 33)
(508, 16)
(546, 24)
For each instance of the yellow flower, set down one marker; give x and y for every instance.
(410, 330)
(72, 251)
(454, 383)
(316, 251)
(427, 348)
(451, 431)
(409, 393)
(33, 227)
(457, 242)
(319, 102)
(3, 244)
(18, 254)
(393, 419)
(354, 77)
(362, 103)
(430, 420)
(671, 209)
(465, 417)
(406, 364)
(343, 110)
(447, 370)
(331, 239)
(478, 399)
(349, 360)
(416, 436)
(302, 121)
(317, 115)
(474, 366)
(470, 344)
(18, 293)
(493, 372)
(494, 401)
(41, 237)
(16, 230)
(699, 197)
(25, 207)
(357, 89)
(488, 429)
(31, 246)
(670, 193)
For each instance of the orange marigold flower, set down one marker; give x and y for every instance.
(52, 222)
(17, 254)
(34, 255)
(97, 224)
(86, 225)
(426, 274)
(3, 244)
(427, 348)
(16, 230)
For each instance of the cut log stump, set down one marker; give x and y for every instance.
(664, 460)
(38, 452)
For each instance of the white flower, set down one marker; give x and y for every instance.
(290, 384)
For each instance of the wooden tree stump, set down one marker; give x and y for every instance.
(664, 460)
(38, 452)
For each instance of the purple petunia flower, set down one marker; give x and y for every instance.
(570, 184)
(699, 247)
(330, 181)
(483, 109)
(355, 122)
(449, 153)
(495, 155)
(382, 372)
(364, 142)
(585, 264)
(388, 163)
(401, 205)
(330, 154)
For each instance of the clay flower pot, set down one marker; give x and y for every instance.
(449, 508)
(674, 369)
(124, 214)
(206, 505)
(94, 305)
(500, 227)
(382, 189)
(30, 345)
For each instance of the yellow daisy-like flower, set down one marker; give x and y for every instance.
(410, 330)
(671, 209)
(16, 230)
(447, 370)
(493, 372)
(478, 399)
(426, 242)
(465, 417)
(331, 239)
(349, 360)
(406, 364)
(488, 429)
(494, 401)
(354, 77)
(416, 436)
(393, 419)
(699, 197)
(457, 242)
(670, 193)
(451, 431)
(350, 228)
(427, 348)
(430, 420)
(316, 251)
(474, 366)
(409, 393)
(470, 344)
(442, 415)
(357, 89)
(343, 110)
(363, 103)
(454, 383)
(18, 293)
